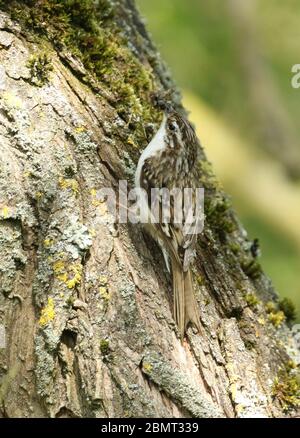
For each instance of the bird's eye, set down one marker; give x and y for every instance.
(172, 126)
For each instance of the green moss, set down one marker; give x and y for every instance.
(104, 347)
(275, 315)
(217, 205)
(251, 267)
(199, 279)
(287, 306)
(252, 300)
(86, 28)
(40, 67)
(250, 344)
(286, 387)
(270, 306)
(70, 301)
(276, 318)
(235, 247)
(217, 210)
(208, 178)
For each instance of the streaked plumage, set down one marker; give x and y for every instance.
(170, 161)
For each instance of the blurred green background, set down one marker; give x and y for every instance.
(233, 61)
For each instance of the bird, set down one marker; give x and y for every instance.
(170, 162)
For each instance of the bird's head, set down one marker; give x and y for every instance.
(179, 129)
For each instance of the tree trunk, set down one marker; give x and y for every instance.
(86, 304)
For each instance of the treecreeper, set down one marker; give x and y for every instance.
(168, 168)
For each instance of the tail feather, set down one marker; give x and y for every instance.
(185, 304)
(191, 305)
(178, 297)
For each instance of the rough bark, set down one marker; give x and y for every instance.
(87, 305)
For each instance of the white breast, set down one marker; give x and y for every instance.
(156, 144)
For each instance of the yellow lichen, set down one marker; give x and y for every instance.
(131, 141)
(80, 129)
(103, 280)
(69, 184)
(147, 367)
(239, 409)
(48, 313)
(48, 243)
(70, 275)
(233, 390)
(58, 267)
(5, 212)
(100, 203)
(103, 290)
(104, 293)
(72, 283)
(12, 100)
(92, 232)
(76, 269)
(63, 277)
